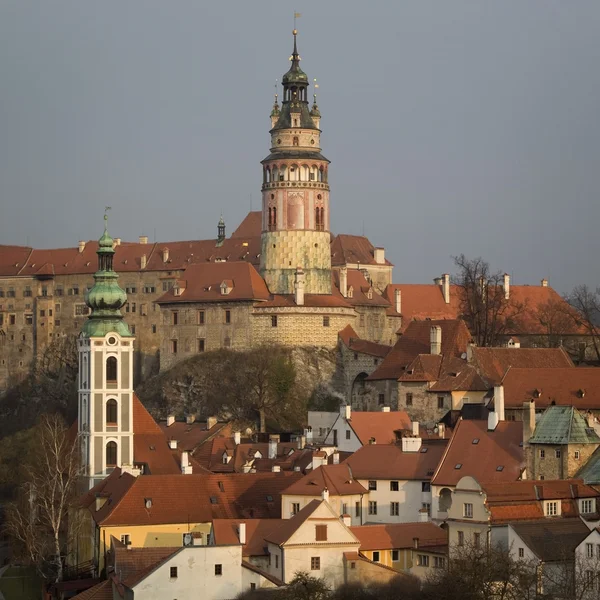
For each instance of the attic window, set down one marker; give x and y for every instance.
(457, 466)
(269, 498)
(214, 500)
(537, 393)
(500, 468)
(148, 502)
(475, 441)
(153, 448)
(423, 450)
(580, 393)
(221, 487)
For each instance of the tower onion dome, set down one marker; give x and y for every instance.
(295, 75)
(106, 298)
(314, 111)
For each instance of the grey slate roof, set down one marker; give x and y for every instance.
(590, 472)
(561, 425)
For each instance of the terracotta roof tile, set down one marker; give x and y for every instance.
(101, 591)
(530, 490)
(251, 226)
(226, 532)
(399, 536)
(352, 341)
(338, 479)
(289, 526)
(353, 249)
(361, 290)
(380, 426)
(131, 562)
(191, 435)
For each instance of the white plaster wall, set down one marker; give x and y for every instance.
(409, 495)
(318, 420)
(332, 562)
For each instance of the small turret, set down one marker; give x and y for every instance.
(221, 231)
(275, 112)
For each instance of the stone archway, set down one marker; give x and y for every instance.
(358, 391)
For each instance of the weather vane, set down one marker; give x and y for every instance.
(297, 15)
(106, 209)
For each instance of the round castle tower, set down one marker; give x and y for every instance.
(295, 193)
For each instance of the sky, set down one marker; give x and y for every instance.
(459, 126)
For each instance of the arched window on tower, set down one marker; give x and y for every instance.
(274, 224)
(111, 455)
(111, 412)
(322, 218)
(111, 371)
(295, 141)
(317, 218)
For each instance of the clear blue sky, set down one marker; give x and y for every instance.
(460, 126)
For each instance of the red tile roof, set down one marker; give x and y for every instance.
(12, 259)
(416, 341)
(338, 479)
(399, 536)
(423, 301)
(380, 426)
(351, 340)
(191, 435)
(353, 249)
(203, 283)
(187, 498)
(481, 460)
(226, 532)
(493, 363)
(576, 386)
(101, 591)
(377, 461)
(361, 289)
(132, 563)
(529, 490)
(251, 226)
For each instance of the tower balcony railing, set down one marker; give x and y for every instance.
(270, 185)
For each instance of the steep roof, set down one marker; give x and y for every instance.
(133, 563)
(198, 498)
(528, 490)
(203, 284)
(552, 540)
(563, 425)
(363, 293)
(191, 435)
(416, 341)
(493, 363)
(353, 249)
(424, 301)
(250, 227)
(289, 526)
(101, 591)
(352, 341)
(378, 461)
(475, 451)
(400, 535)
(380, 426)
(590, 472)
(226, 532)
(338, 479)
(578, 387)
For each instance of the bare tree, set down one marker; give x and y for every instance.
(38, 522)
(587, 304)
(484, 307)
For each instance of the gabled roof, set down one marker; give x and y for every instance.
(424, 301)
(131, 564)
(226, 532)
(590, 472)
(101, 591)
(563, 425)
(353, 249)
(416, 341)
(380, 426)
(378, 461)
(578, 387)
(493, 363)
(485, 455)
(191, 435)
(552, 540)
(361, 289)
(250, 227)
(398, 536)
(339, 480)
(353, 342)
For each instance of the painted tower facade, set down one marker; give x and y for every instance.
(105, 374)
(295, 192)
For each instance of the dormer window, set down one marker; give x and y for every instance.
(552, 508)
(350, 292)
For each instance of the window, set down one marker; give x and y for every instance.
(273, 320)
(394, 509)
(521, 552)
(461, 538)
(476, 539)
(576, 454)
(394, 486)
(132, 327)
(175, 317)
(372, 507)
(557, 453)
(173, 346)
(409, 399)
(315, 563)
(542, 454)
(81, 310)
(344, 509)
(167, 285)
(227, 316)
(125, 539)
(111, 454)
(57, 322)
(372, 486)
(295, 508)
(200, 317)
(325, 321)
(357, 509)
(219, 569)
(58, 291)
(12, 319)
(111, 412)
(149, 289)
(173, 572)
(422, 560)
(468, 510)
(395, 555)
(321, 533)
(111, 369)
(277, 561)
(440, 401)
(589, 550)
(376, 556)
(27, 291)
(587, 507)
(552, 509)
(425, 486)
(381, 398)
(439, 562)
(28, 319)
(11, 292)
(427, 507)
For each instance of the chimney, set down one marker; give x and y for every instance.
(165, 255)
(344, 282)
(143, 239)
(170, 420)
(186, 467)
(411, 444)
(437, 281)
(446, 287)
(544, 283)
(272, 449)
(379, 255)
(189, 419)
(336, 458)
(143, 261)
(498, 413)
(325, 494)
(237, 437)
(81, 246)
(506, 286)
(309, 435)
(211, 422)
(442, 430)
(470, 347)
(398, 300)
(423, 516)
(275, 469)
(416, 542)
(385, 409)
(117, 241)
(301, 442)
(299, 287)
(528, 420)
(435, 339)
(347, 520)
(346, 411)
(415, 428)
(173, 444)
(242, 533)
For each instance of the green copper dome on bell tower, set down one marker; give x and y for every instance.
(106, 298)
